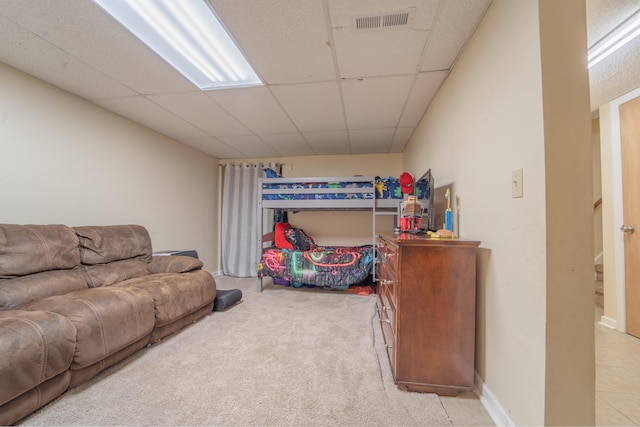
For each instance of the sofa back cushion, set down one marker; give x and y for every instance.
(24, 289)
(28, 249)
(174, 264)
(106, 243)
(98, 275)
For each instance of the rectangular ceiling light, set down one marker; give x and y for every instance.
(614, 40)
(188, 35)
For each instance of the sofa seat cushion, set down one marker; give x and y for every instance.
(101, 244)
(176, 295)
(28, 249)
(106, 319)
(35, 346)
(24, 289)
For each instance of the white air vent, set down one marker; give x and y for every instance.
(382, 21)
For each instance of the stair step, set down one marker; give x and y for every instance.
(599, 291)
(599, 272)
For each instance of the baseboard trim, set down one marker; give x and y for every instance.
(217, 273)
(491, 404)
(608, 322)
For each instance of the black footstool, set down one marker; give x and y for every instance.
(226, 298)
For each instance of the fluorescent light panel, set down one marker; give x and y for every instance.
(188, 35)
(613, 41)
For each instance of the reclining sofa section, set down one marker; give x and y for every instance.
(76, 300)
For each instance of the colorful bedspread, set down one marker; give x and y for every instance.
(336, 267)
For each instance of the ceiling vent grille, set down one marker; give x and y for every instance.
(382, 21)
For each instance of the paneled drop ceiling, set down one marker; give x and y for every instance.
(329, 88)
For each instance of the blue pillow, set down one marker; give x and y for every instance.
(271, 173)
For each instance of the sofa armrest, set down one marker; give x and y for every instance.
(174, 264)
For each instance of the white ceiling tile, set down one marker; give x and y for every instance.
(400, 139)
(336, 142)
(256, 107)
(378, 53)
(92, 36)
(389, 51)
(249, 145)
(375, 102)
(456, 23)
(212, 146)
(285, 41)
(292, 144)
(371, 140)
(141, 110)
(342, 11)
(43, 60)
(424, 89)
(365, 53)
(615, 75)
(201, 112)
(313, 107)
(604, 16)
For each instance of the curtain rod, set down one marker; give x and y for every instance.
(251, 163)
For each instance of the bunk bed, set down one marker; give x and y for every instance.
(323, 266)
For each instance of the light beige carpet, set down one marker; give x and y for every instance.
(281, 357)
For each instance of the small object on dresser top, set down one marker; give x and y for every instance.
(442, 234)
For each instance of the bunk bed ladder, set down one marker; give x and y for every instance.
(374, 247)
(260, 215)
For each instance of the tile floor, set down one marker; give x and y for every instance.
(617, 384)
(617, 377)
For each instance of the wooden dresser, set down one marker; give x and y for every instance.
(427, 309)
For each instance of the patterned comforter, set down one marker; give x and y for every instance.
(336, 267)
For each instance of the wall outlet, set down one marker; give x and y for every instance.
(516, 184)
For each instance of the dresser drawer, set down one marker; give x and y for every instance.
(388, 255)
(390, 343)
(387, 308)
(387, 269)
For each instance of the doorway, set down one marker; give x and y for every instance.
(615, 310)
(630, 159)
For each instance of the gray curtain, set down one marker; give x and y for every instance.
(240, 240)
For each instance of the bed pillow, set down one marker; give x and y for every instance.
(281, 240)
(299, 239)
(271, 173)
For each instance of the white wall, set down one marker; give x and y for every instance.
(65, 160)
(495, 114)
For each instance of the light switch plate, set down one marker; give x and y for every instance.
(516, 184)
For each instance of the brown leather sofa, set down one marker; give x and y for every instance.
(76, 300)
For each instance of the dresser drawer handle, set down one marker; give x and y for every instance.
(388, 346)
(386, 282)
(386, 321)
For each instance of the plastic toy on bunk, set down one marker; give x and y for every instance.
(411, 211)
